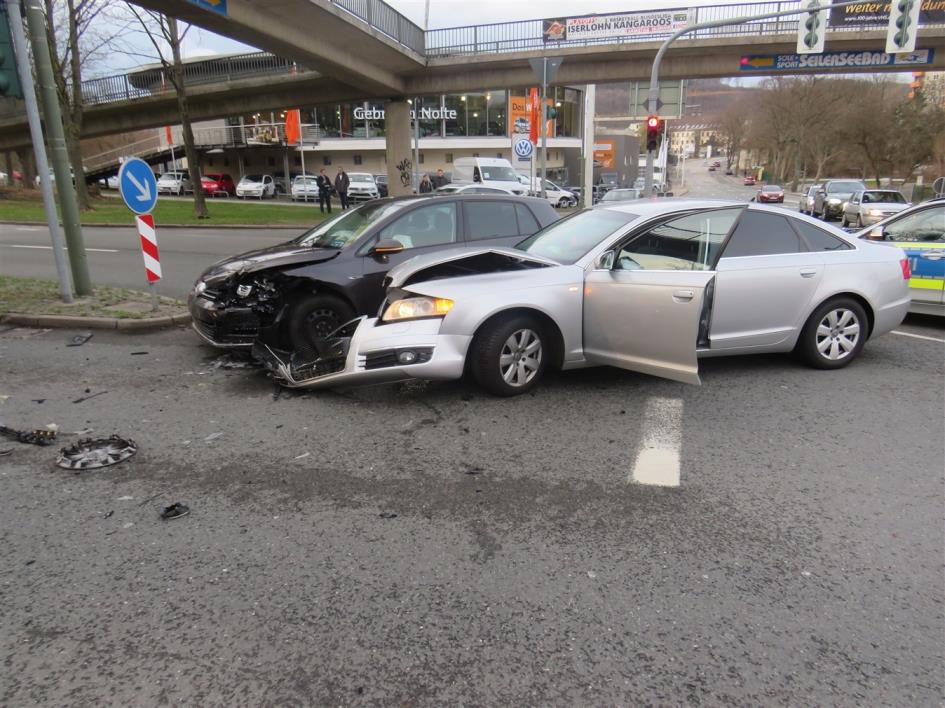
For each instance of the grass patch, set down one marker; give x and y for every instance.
(28, 207)
(34, 296)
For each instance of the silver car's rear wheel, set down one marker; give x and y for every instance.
(834, 334)
(520, 358)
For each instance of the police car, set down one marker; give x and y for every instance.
(920, 232)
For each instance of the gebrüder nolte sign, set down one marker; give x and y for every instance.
(607, 26)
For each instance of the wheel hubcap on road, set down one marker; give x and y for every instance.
(837, 334)
(520, 357)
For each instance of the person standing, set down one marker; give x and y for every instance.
(439, 180)
(324, 190)
(342, 182)
(426, 186)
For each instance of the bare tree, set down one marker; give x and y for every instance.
(79, 33)
(733, 127)
(164, 35)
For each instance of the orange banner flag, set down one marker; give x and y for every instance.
(293, 127)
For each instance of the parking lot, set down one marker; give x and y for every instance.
(428, 544)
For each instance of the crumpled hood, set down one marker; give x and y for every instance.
(401, 273)
(272, 257)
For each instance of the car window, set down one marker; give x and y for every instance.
(883, 198)
(927, 226)
(835, 187)
(762, 234)
(527, 223)
(427, 226)
(691, 242)
(349, 226)
(567, 240)
(817, 239)
(490, 220)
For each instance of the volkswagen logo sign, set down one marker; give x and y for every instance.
(524, 148)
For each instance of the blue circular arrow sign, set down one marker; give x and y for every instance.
(137, 185)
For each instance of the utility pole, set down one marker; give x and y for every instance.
(543, 124)
(587, 178)
(18, 35)
(36, 18)
(415, 179)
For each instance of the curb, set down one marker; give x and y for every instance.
(72, 322)
(173, 226)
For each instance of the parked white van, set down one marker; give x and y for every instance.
(488, 171)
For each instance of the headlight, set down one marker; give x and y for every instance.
(413, 308)
(875, 212)
(834, 201)
(199, 287)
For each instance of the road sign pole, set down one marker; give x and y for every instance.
(654, 93)
(39, 147)
(543, 124)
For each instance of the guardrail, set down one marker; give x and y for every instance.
(386, 20)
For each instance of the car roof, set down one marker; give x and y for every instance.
(665, 205)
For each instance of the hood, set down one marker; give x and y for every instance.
(273, 257)
(399, 274)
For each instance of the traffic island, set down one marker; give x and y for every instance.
(33, 302)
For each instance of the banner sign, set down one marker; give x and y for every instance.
(520, 115)
(425, 113)
(833, 60)
(632, 24)
(217, 6)
(604, 154)
(877, 13)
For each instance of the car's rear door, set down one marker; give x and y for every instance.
(500, 222)
(644, 313)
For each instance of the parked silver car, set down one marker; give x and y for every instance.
(872, 205)
(805, 204)
(649, 286)
(304, 188)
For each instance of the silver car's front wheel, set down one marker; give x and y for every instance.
(520, 358)
(834, 334)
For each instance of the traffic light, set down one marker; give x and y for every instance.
(903, 26)
(811, 29)
(9, 81)
(654, 126)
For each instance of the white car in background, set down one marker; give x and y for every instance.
(258, 186)
(362, 187)
(176, 182)
(470, 189)
(305, 187)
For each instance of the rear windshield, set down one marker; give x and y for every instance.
(844, 186)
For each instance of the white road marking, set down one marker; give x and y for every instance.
(27, 228)
(918, 336)
(658, 460)
(49, 248)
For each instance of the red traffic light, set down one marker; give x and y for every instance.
(653, 122)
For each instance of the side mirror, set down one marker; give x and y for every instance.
(386, 246)
(605, 261)
(876, 234)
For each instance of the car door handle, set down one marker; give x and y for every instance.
(808, 272)
(933, 255)
(682, 295)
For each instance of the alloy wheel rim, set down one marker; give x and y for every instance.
(322, 321)
(520, 357)
(837, 334)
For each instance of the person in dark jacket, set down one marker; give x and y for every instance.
(426, 186)
(342, 182)
(324, 190)
(439, 180)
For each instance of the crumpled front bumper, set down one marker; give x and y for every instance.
(372, 354)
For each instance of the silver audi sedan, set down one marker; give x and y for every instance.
(649, 286)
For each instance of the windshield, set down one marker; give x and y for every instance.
(304, 180)
(171, 175)
(252, 178)
(620, 195)
(885, 197)
(834, 187)
(771, 188)
(567, 240)
(348, 227)
(495, 173)
(361, 178)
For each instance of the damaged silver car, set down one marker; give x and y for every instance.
(645, 286)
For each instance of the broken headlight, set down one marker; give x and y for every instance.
(244, 290)
(414, 308)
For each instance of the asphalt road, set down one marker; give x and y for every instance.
(430, 545)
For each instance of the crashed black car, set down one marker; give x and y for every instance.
(296, 292)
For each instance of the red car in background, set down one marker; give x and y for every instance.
(770, 193)
(217, 183)
(749, 181)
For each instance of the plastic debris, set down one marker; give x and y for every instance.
(138, 353)
(212, 436)
(38, 400)
(79, 339)
(85, 431)
(175, 511)
(304, 454)
(92, 454)
(85, 398)
(41, 436)
(6, 451)
(387, 515)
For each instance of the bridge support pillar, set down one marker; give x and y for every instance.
(400, 166)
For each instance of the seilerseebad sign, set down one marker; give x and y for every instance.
(425, 114)
(833, 60)
(570, 29)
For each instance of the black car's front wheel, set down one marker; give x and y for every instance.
(834, 334)
(508, 357)
(315, 316)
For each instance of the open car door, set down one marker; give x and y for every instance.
(644, 301)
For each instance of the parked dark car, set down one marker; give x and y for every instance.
(295, 292)
(831, 199)
(381, 181)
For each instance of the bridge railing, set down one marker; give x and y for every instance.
(386, 20)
